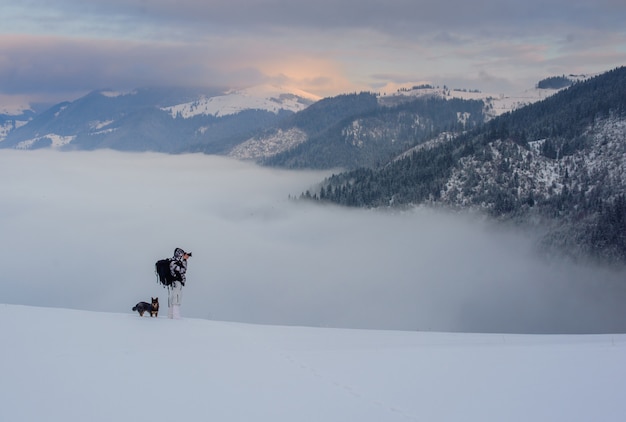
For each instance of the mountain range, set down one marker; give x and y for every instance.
(269, 124)
(552, 156)
(170, 120)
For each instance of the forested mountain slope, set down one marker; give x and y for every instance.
(561, 162)
(364, 133)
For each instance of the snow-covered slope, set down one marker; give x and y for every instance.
(67, 365)
(263, 97)
(10, 122)
(268, 145)
(495, 103)
(603, 163)
(157, 119)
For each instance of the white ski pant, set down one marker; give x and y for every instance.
(175, 294)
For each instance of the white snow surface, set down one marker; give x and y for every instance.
(263, 97)
(69, 365)
(495, 103)
(58, 141)
(5, 129)
(280, 140)
(604, 160)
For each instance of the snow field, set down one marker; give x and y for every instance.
(68, 365)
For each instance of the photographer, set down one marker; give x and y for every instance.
(178, 268)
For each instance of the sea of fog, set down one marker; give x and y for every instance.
(82, 230)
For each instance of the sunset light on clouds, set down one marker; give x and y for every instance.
(54, 51)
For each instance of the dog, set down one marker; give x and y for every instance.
(143, 307)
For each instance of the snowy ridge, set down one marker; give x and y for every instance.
(58, 141)
(495, 104)
(5, 129)
(265, 97)
(267, 146)
(10, 125)
(240, 372)
(97, 125)
(604, 160)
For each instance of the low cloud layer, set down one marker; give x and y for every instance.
(83, 230)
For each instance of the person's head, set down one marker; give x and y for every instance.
(181, 254)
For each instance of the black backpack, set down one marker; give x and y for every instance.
(163, 273)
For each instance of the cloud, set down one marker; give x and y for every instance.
(69, 47)
(393, 16)
(83, 230)
(84, 64)
(58, 66)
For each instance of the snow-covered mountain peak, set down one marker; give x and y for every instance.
(263, 97)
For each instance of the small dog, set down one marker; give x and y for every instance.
(153, 307)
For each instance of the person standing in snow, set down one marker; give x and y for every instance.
(178, 268)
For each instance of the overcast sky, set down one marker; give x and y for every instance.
(83, 230)
(59, 50)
